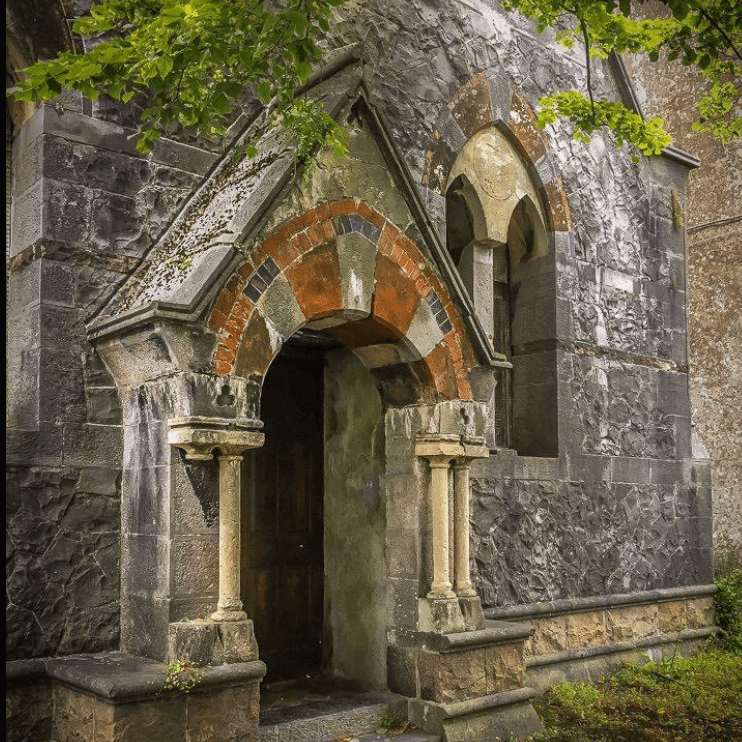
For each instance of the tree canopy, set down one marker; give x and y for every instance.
(187, 63)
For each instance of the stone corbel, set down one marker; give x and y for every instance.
(199, 438)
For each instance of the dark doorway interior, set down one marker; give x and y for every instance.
(282, 535)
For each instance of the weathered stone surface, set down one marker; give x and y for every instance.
(454, 676)
(633, 622)
(28, 710)
(63, 572)
(505, 666)
(535, 531)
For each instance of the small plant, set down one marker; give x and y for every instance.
(729, 610)
(182, 677)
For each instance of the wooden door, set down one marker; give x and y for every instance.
(282, 534)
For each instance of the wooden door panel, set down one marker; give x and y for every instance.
(282, 533)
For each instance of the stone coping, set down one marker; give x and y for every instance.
(648, 641)
(495, 632)
(117, 677)
(24, 669)
(485, 703)
(575, 605)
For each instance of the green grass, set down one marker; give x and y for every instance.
(679, 700)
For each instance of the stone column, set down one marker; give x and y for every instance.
(439, 450)
(229, 607)
(199, 438)
(462, 581)
(441, 585)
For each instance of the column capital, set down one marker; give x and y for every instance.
(199, 436)
(438, 447)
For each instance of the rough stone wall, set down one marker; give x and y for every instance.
(85, 207)
(539, 534)
(713, 218)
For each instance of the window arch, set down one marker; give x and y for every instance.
(496, 235)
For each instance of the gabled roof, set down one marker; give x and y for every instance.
(177, 275)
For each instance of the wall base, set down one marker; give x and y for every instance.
(116, 697)
(507, 715)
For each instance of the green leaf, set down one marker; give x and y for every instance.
(265, 92)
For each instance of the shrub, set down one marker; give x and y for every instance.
(729, 610)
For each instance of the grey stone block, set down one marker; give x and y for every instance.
(145, 508)
(145, 563)
(97, 445)
(195, 566)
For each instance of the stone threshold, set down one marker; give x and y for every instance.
(576, 605)
(646, 642)
(495, 632)
(348, 714)
(119, 678)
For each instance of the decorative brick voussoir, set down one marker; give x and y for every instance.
(471, 106)
(522, 123)
(305, 252)
(559, 213)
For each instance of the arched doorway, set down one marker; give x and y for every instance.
(314, 519)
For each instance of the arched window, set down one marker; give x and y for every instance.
(495, 235)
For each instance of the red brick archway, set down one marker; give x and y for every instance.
(342, 267)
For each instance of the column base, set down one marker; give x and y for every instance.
(450, 615)
(228, 616)
(202, 643)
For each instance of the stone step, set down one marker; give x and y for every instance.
(324, 721)
(416, 735)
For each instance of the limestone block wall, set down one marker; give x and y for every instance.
(614, 525)
(85, 206)
(713, 218)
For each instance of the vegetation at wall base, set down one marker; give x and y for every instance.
(729, 611)
(677, 700)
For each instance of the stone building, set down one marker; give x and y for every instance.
(416, 420)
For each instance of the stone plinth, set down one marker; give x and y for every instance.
(467, 685)
(116, 697)
(206, 642)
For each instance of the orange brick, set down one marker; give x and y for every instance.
(224, 354)
(343, 207)
(323, 211)
(222, 367)
(225, 302)
(217, 320)
(442, 371)
(315, 281)
(309, 217)
(370, 214)
(246, 270)
(395, 298)
(320, 233)
(270, 244)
